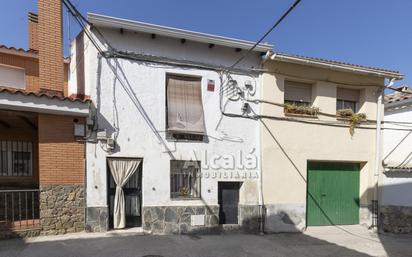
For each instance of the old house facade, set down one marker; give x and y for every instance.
(41, 160)
(173, 148)
(316, 169)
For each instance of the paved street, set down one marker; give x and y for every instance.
(326, 241)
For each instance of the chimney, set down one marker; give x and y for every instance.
(33, 27)
(50, 45)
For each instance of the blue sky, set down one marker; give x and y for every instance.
(369, 32)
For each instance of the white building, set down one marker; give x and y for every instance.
(157, 96)
(396, 183)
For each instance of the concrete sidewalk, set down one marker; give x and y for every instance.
(320, 241)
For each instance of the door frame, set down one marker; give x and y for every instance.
(332, 162)
(108, 174)
(239, 185)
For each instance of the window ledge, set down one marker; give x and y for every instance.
(184, 199)
(301, 115)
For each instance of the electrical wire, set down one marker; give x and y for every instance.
(278, 21)
(266, 34)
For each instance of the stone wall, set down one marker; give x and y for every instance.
(285, 218)
(177, 219)
(249, 217)
(62, 209)
(97, 219)
(396, 219)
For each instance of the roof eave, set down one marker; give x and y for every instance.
(339, 67)
(112, 22)
(403, 103)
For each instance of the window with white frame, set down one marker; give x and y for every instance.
(184, 179)
(12, 77)
(184, 108)
(298, 93)
(16, 159)
(347, 99)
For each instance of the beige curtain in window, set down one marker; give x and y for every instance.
(184, 105)
(121, 170)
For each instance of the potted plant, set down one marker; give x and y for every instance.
(301, 110)
(354, 119)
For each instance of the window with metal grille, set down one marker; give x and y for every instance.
(16, 158)
(184, 179)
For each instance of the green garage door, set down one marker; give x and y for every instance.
(333, 194)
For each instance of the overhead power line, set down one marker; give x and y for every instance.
(267, 33)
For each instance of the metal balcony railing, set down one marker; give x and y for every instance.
(19, 209)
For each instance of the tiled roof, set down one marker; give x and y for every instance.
(350, 65)
(399, 96)
(42, 94)
(21, 51)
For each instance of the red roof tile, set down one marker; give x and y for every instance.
(43, 94)
(399, 96)
(21, 50)
(338, 62)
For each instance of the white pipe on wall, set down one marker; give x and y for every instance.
(378, 150)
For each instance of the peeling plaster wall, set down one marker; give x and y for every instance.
(118, 114)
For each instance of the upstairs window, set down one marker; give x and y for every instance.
(15, 158)
(184, 179)
(185, 118)
(347, 99)
(12, 77)
(298, 94)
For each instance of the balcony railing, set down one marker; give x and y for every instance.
(19, 209)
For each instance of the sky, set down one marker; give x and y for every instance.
(374, 33)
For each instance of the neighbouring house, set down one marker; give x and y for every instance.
(41, 131)
(396, 181)
(318, 139)
(174, 146)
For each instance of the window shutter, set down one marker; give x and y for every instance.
(347, 94)
(297, 91)
(12, 77)
(184, 105)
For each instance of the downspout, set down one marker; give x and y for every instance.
(378, 154)
(262, 208)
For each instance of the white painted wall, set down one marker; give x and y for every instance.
(12, 77)
(396, 188)
(119, 115)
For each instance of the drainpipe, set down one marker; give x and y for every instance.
(378, 154)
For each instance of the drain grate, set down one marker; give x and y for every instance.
(151, 255)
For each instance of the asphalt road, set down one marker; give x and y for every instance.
(347, 242)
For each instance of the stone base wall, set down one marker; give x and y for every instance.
(62, 209)
(250, 218)
(396, 219)
(285, 218)
(177, 219)
(365, 214)
(7, 234)
(97, 219)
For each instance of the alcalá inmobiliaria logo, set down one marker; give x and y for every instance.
(238, 165)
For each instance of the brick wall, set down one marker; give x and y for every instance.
(31, 67)
(50, 42)
(61, 158)
(33, 31)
